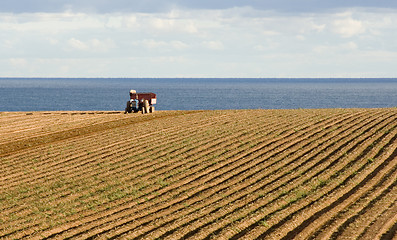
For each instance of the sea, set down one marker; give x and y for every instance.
(111, 94)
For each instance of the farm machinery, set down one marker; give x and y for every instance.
(141, 102)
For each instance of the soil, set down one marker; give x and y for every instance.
(227, 174)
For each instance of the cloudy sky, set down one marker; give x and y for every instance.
(198, 38)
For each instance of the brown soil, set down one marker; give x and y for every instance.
(252, 174)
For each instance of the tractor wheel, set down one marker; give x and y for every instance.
(128, 108)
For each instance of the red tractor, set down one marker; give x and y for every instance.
(141, 102)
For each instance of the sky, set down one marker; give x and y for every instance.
(198, 38)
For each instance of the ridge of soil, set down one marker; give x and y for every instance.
(223, 174)
(30, 142)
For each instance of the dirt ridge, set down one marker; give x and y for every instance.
(224, 174)
(6, 148)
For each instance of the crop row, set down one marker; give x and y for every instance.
(230, 174)
(194, 173)
(244, 204)
(45, 155)
(14, 126)
(248, 170)
(52, 171)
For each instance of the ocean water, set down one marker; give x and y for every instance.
(61, 94)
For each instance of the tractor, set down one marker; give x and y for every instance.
(141, 102)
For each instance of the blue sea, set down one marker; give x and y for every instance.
(111, 94)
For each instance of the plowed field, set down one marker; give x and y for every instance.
(230, 174)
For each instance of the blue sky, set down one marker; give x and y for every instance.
(190, 38)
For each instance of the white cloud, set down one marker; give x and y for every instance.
(115, 22)
(93, 45)
(8, 43)
(102, 45)
(163, 24)
(318, 28)
(18, 62)
(153, 44)
(179, 45)
(250, 42)
(130, 21)
(77, 44)
(53, 41)
(213, 45)
(348, 27)
(270, 33)
(336, 49)
(168, 59)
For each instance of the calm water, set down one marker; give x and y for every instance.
(191, 94)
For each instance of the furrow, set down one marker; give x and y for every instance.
(125, 132)
(196, 154)
(215, 174)
(367, 212)
(34, 125)
(253, 165)
(61, 189)
(360, 166)
(76, 157)
(389, 229)
(280, 195)
(382, 222)
(136, 131)
(331, 225)
(6, 149)
(271, 193)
